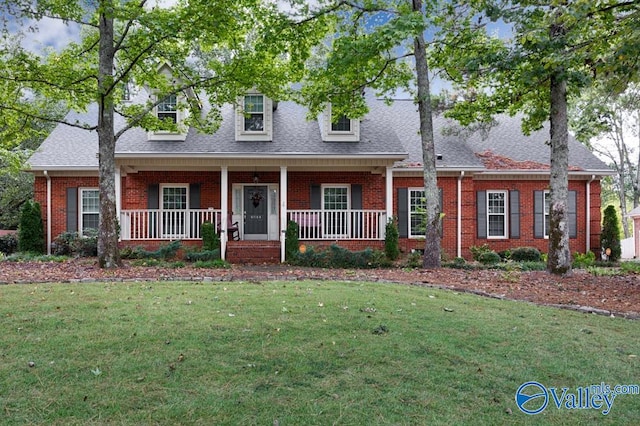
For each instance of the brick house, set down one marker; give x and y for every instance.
(341, 182)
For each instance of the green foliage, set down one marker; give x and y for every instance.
(630, 267)
(210, 239)
(391, 238)
(212, 264)
(489, 258)
(31, 230)
(414, 259)
(8, 244)
(34, 257)
(202, 255)
(73, 244)
(583, 260)
(337, 257)
(164, 252)
(600, 271)
(477, 251)
(610, 236)
(525, 254)
(291, 241)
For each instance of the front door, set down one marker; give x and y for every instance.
(255, 212)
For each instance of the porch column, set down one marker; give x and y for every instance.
(389, 194)
(224, 209)
(283, 211)
(118, 197)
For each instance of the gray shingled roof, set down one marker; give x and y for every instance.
(386, 130)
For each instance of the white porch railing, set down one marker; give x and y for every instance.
(339, 224)
(165, 224)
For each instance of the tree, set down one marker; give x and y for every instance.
(608, 123)
(31, 230)
(610, 236)
(557, 49)
(381, 45)
(215, 48)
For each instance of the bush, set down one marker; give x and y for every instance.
(31, 230)
(210, 239)
(526, 254)
(196, 256)
(9, 244)
(211, 264)
(630, 267)
(291, 240)
(337, 257)
(391, 238)
(489, 258)
(72, 244)
(583, 261)
(165, 252)
(478, 251)
(610, 236)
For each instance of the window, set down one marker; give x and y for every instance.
(335, 205)
(126, 91)
(89, 210)
(547, 204)
(496, 214)
(254, 113)
(417, 206)
(168, 109)
(174, 214)
(343, 124)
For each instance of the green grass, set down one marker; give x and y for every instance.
(297, 352)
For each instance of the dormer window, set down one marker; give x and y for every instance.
(254, 113)
(338, 128)
(168, 109)
(254, 118)
(343, 124)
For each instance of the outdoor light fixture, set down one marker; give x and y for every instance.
(256, 178)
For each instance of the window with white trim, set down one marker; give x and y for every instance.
(497, 214)
(89, 210)
(342, 124)
(253, 113)
(417, 211)
(167, 109)
(335, 206)
(547, 205)
(174, 210)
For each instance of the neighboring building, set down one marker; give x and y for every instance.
(340, 181)
(635, 215)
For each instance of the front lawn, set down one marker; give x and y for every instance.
(296, 353)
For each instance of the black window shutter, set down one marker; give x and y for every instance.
(481, 213)
(403, 212)
(514, 214)
(573, 214)
(72, 209)
(153, 196)
(194, 196)
(538, 214)
(316, 197)
(356, 197)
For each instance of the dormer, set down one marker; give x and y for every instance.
(338, 129)
(254, 118)
(171, 108)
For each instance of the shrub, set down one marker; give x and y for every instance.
(337, 257)
(195, 256)
(630, 267)
(391, 238)
(31, 230)
(210, 239)
(211, 264)
(526, 254)
(414, 259)
(72, 244)
(583, 261)
(477, 251)
(9, 244)
(291, 240)
(165, 252)
(610, 236)
(489, 258)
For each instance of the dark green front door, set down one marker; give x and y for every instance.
(255, 212)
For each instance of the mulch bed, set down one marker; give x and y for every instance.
(607, 295)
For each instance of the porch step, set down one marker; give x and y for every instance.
(253, 252)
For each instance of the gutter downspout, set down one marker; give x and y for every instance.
(459, 218)
(588, 245)
(46, 175)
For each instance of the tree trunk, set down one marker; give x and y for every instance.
(108, 252)
(559, 259)
(431, 257)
